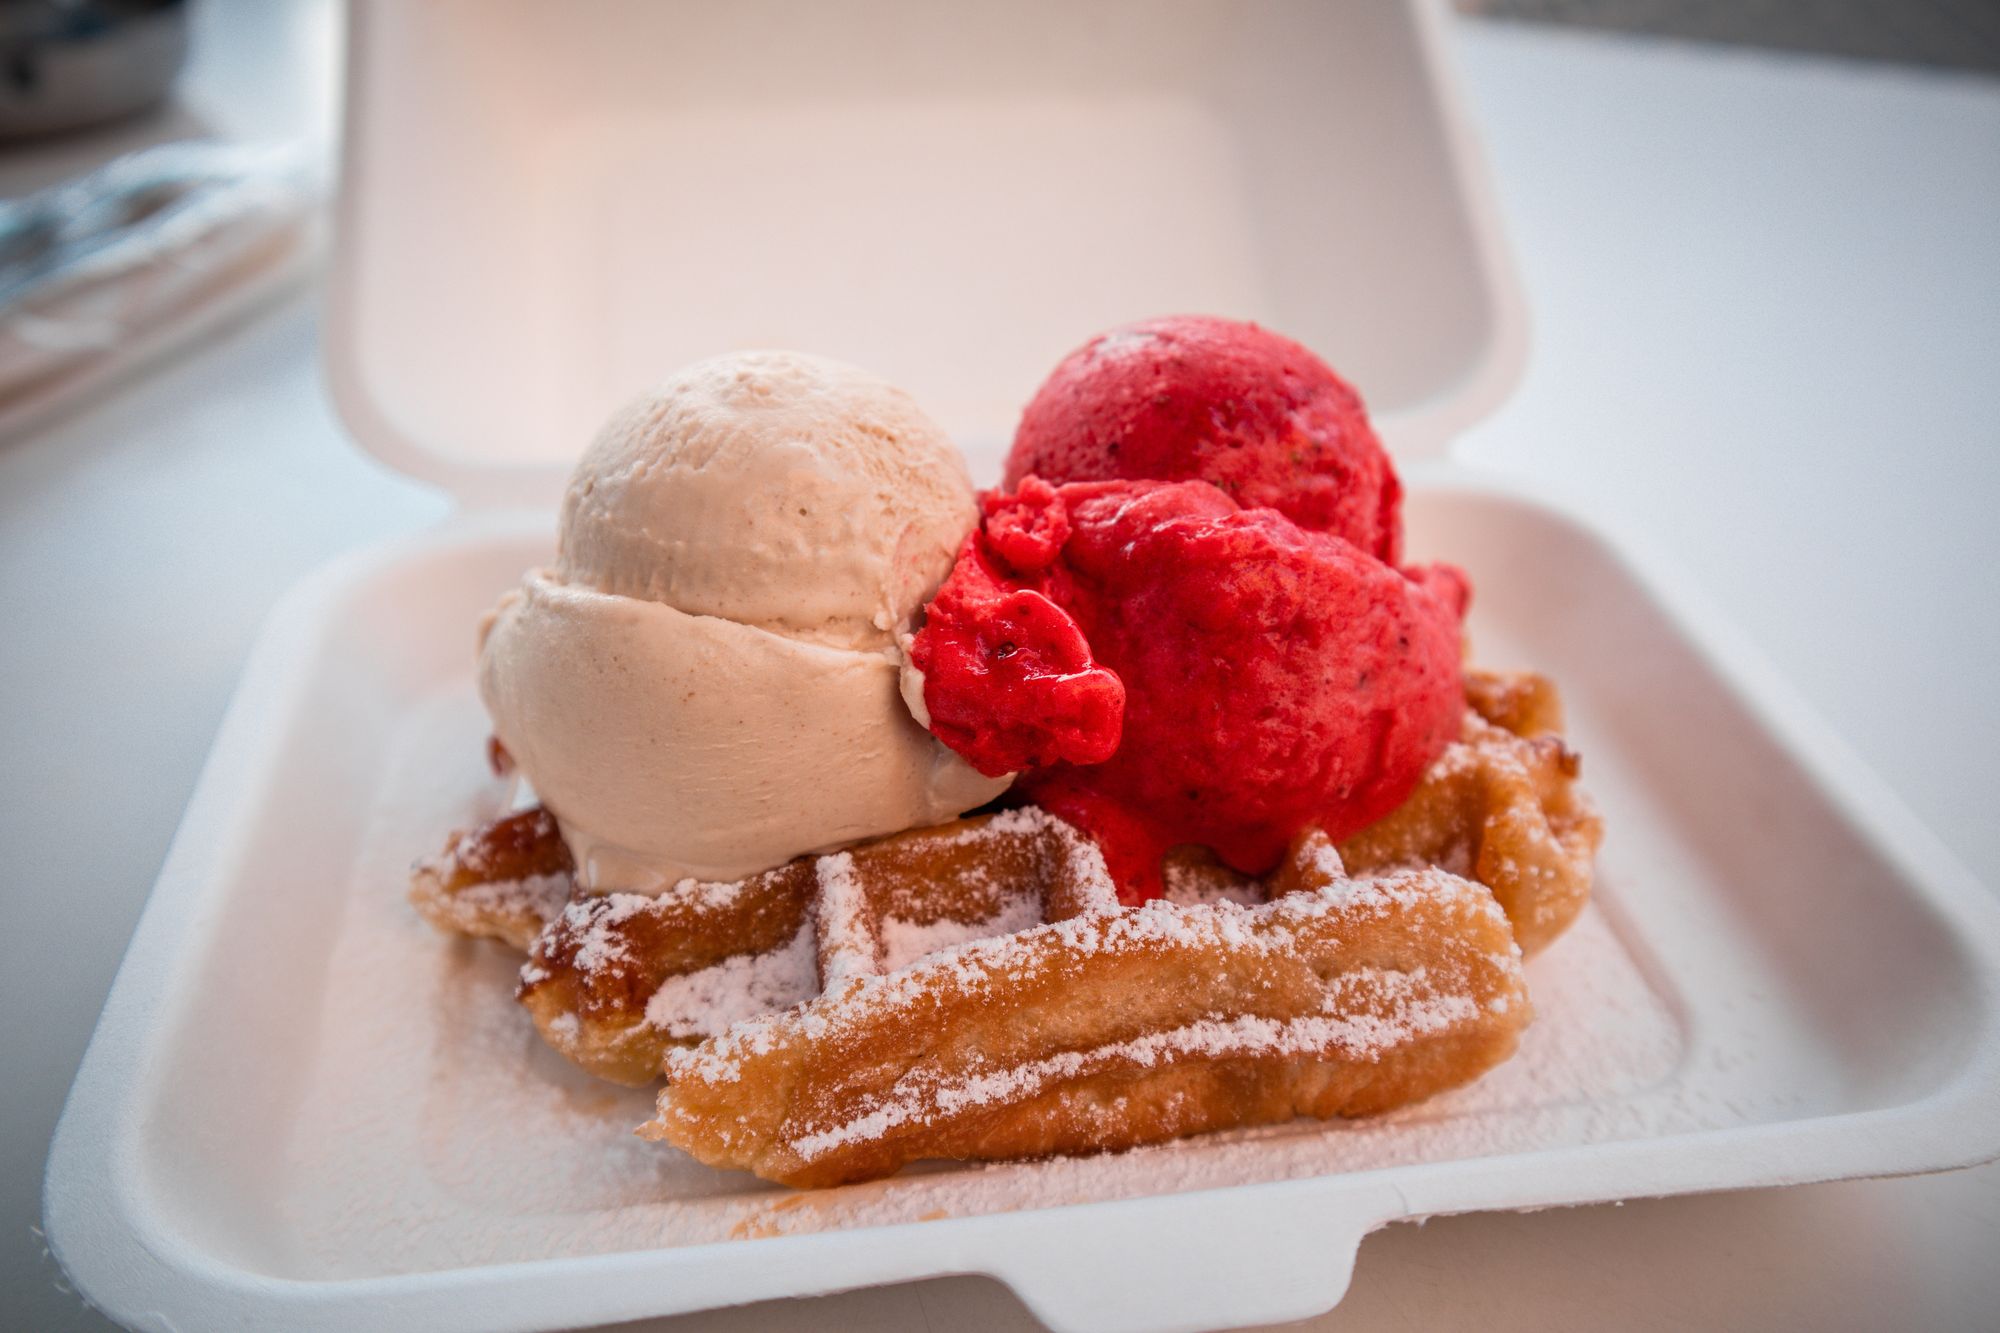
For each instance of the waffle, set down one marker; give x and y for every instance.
(975, 991)
(1101, 1027)
(502, 881)
(1500, 806)
(1502, 809)
(615, 981)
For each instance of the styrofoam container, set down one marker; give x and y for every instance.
(304, 1109)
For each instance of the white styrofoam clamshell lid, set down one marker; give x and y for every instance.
(547, 207)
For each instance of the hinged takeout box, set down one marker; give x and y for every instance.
(304, 1109)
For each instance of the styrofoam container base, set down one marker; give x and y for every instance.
(306, 1109)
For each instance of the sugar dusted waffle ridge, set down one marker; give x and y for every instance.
(1105, 1027)
(975, 990)
(502, 881)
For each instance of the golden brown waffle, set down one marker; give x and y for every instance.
(1103, 1027)
(1501, 806)
(621, 983)
(1504, 810)
(503, 881)
(615, 981)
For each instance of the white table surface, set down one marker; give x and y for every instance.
(1766, 296)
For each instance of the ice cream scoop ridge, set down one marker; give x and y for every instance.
(706, 683)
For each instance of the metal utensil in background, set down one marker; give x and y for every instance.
(68, 64)
(149, 251)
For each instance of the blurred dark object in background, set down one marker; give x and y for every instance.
(1961, 34)
(68, 64)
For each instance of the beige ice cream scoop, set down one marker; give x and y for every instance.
(706, 683)
(788, 492)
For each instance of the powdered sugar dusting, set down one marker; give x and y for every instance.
(1323, 858)
(703, 895)
(847, 942)
(702, 1004)
(1353, 1036)
(975, 963)
(538, 896)
(1099, 896)
(1020, 819)
(1083, 872)
(593, 923)
(906, 942)
(1084, 864)
(1200, 886)
(847, 939)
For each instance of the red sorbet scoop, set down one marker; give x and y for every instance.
(1196, 398)
(1271, 678)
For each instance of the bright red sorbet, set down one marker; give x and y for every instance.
(1197, 398)
(1164, 666)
